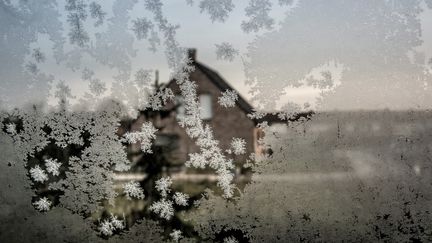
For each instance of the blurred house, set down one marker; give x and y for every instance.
(225, 122)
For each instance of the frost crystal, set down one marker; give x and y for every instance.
(76, 17)
(97, 13)
(11, 128)
(163, 186)
(230, 239)
(106, 228)
(196, 160)
(285, 2)
(141, 27)
(238, 146)
(143, 77)
(225, 51)
(133, 189)
(228, 98)
(32, 68)
(38, 55)
(43, 204)
(181, 198)
(117, 223)
(38, 174)
(87, 74)
(164, 208)
(258, 13)
(52, 166)
(217, 9)
(97, 87)
(325, 82)
(176, 235)
(290, 109)
(158, 99)
(145, 137)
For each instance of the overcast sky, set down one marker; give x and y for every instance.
(198, 31)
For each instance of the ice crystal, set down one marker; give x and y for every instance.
(176, 235)
(97, 87)
(196, 160)
(97, 13)
(145, 137)
(160, 98)
(230, 239)
(11, 128)
(163, 186)
(141, 27)
(238, 146)
(117, 223)
(38, 55)
(32, 68)
(258, 13)
(228, 98)
(106, 228)
(87, 74)
(164, 208)
(43, 204)
(52, 166)
(38, 174)
(325, 82)
(289, 111)
(143, 77)
(133, 189)
(77, 14)
(285, 2)
(181, 198)
(217, 9)
(225, 51)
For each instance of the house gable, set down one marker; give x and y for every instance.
(225, 122)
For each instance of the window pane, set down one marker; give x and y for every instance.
(180, 110)
(206, 106)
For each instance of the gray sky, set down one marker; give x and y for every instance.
(198, 31)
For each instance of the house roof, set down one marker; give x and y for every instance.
(217, 80)
(223, 85)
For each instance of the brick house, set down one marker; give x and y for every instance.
(226, 122)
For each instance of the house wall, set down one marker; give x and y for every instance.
(226, 122)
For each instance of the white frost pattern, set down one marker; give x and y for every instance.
(238, 146)
(228, 98)
(225, 51)
(163, 186)
(258, 13)
(52, 166)
(108, 226)
(133, 189)
(145, 137)
(164, 208)
(43, 204)
(181, 198)
(217, 9)
(230, 239)
(11, 128)
(176, 235)
(38, 174)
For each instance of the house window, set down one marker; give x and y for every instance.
(206, 106)
(180, 109)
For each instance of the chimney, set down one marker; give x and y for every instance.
(192, 54)
(157, 79)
